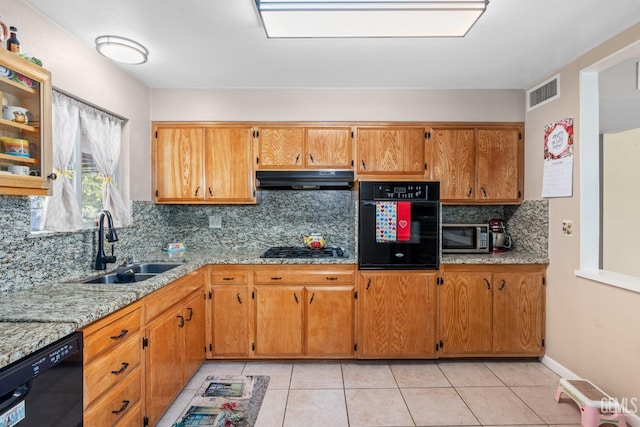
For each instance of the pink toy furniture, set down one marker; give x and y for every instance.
(596, 406)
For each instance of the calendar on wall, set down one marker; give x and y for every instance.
(557, 180)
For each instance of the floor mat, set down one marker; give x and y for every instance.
(225, 401)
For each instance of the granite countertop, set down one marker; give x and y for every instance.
(35, 317)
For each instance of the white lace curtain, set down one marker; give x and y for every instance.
(103, 131)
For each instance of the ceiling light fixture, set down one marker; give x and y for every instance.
(122, 50)
(373, 18)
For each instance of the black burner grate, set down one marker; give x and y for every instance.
(301, 252)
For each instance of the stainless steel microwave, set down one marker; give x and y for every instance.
(465, 238)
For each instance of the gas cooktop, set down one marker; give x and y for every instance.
(302, 252)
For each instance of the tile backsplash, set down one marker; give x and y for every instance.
(28, 260)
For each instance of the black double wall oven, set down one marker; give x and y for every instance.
(399, 225)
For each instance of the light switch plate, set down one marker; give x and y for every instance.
(567, 227)
(215, 221)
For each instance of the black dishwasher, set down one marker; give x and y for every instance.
(44, 389)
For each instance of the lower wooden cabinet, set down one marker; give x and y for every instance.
(112, 375)
(174, 340)
(397, 314)
(494, 310)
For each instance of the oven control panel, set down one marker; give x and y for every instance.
(401, 191)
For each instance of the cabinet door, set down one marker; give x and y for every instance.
(229, 164)
(397, 314)
(230, 320)
(278, 311)
(330, 321)
(452, 163)
(465, 307)
(499, 165)
(518, 313)
(280, 147)
(329, 148)
(194, 335)
(178, 157)
(164, 359)
(391, 151)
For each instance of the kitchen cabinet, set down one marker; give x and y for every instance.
(229, 305)
(304, 311)
(477, 164)
(395, 151)
(174, 340)
(25, 128)
(397, 314)
(301, 147)
(203, 163)
(112, 374)
(492, 310)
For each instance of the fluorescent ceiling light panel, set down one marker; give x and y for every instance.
(374, 18)
(122, 50)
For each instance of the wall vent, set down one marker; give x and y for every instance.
(543, 93)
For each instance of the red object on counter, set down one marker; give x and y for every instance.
(404, 221)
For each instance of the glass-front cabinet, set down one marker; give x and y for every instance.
(25, 127)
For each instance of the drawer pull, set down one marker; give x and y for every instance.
(368, 283)
(332, 278)
(181, 325)
(239, 299)
(312, 295)
(503, 283)
(228, 278)
(125, 405)
(488, 283)
(190, 314)
(276, 278)
(125, 365)
(295, 297)
(123, 333)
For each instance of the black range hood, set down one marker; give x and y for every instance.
(305, 180)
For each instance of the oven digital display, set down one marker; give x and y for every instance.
(399, 190)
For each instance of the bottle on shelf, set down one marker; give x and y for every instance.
(13, 45)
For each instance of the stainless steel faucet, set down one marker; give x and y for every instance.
(111, 236)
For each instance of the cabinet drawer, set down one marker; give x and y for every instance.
(164, 298)
(118, 404)
(304, 277)
(103, 372)
(230, 277)
(117, 329)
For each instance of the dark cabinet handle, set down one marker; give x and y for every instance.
(276, 278)
(502, 285)
(296, 298)
(364, 166)
(190, 314)
(228, 278)
(125, 404)
(123, 333)
(312, 295)
(368, 283)
(197, 189)
(239, 299)
(470, 191)
(297, 158)
(488, 283)
(484, 192)
(125, 365)
(311, 157)
(181, 325)
(332, 278)
(210, 192)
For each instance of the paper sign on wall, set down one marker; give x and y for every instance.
(557, 178)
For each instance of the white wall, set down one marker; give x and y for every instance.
(80, 71)
(621, 202)
(592, 328)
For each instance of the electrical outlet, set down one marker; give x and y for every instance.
(567, 227)
(215, 221)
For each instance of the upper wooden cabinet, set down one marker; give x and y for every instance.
(25, 88)
(304, 148)
(477, 164)
(397, 151)
(203, 164)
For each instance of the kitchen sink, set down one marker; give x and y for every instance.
(137, 272)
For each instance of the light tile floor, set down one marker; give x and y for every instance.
(398, 393)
